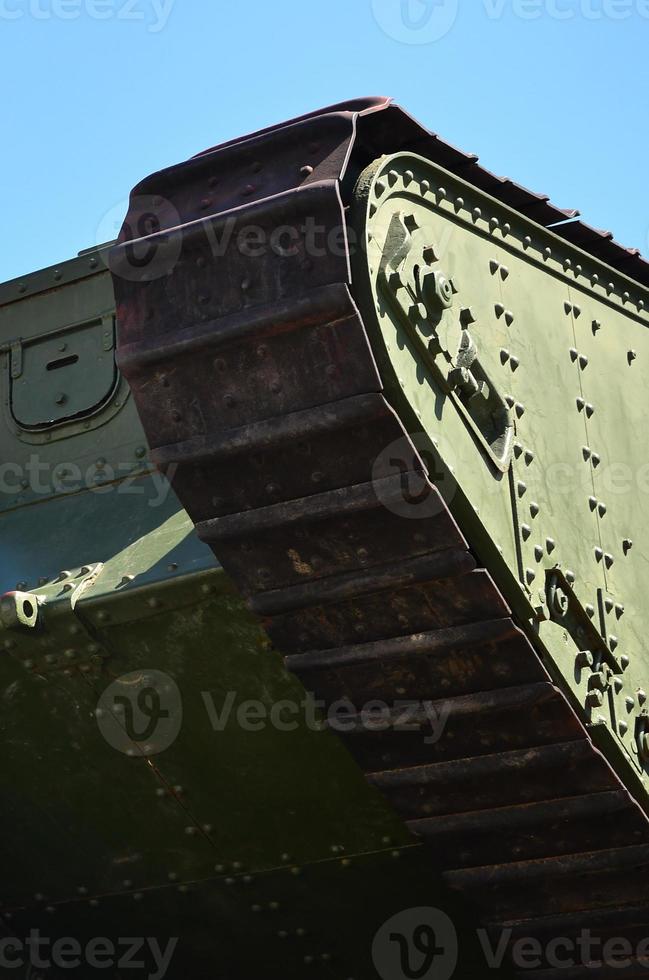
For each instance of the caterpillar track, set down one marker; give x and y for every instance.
(258, 387)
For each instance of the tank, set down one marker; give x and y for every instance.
(325, 528)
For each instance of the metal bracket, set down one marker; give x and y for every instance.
(607, 698)
(42, 629)
(565, 609)
(423, 297)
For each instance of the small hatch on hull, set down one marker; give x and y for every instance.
(62, 376)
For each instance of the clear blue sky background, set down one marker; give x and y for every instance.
(552, 93)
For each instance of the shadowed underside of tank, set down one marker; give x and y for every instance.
(394, 406)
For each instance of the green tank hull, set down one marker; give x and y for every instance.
(335, 585)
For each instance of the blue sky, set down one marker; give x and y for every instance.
(98, 93)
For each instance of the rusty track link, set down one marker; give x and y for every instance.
(257, 386)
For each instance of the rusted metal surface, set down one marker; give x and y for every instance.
(391, 126)
(259, 392)
(521, 776)
(471, 838)
(565, 883)
(487, 723)
(454, 661)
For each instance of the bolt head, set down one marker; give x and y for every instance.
(560, 602)
(584, 658)
(437, 291)
(598, 682)
(594, 699)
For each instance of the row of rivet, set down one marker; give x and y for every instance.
(57, 276)
(582, 406)
(494, 225)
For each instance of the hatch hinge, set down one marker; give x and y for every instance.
(16, 358)
(42, 628)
